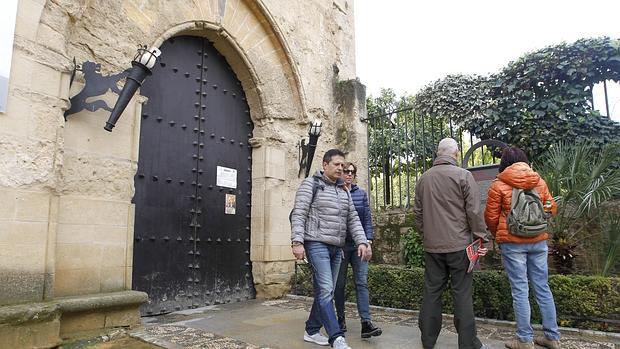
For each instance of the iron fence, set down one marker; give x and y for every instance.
(402, 145)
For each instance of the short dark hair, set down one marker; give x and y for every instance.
(510, 156)
(331, 153)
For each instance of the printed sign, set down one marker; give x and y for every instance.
(226, 177)
(231, 204)
(7, 31)
(484, 176)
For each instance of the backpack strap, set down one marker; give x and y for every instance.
(315, 189)
(514, 198)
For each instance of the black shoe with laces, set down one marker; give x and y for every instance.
(342, 323)
(369, 330)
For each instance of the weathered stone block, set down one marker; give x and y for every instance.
(72, 323)
(124, 317)
(89, 175)
(18, 285)
(272, 253)
(32, 206)
(257, 254)
(26, 233)
(15, 256)
(79, 133)
(28, 16)
(271, 291)
(76, 234)
(77, 256)
(26, 162)
(76, 282)
(113, 255)
(128, 278)
(275, 162)
(8, 198)
(51, 38)
(81, 210)
(112, 279)
(47, 80)
(33, 335)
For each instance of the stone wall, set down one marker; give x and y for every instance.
(389, 228)
(295, 62)
(66, 219)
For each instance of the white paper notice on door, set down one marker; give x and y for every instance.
(226, 177)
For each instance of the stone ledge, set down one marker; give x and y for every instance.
(41, 325)
(29, 313)
(98, 301)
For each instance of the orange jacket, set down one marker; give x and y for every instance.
(518, 175)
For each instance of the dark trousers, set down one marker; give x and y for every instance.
(440, 267)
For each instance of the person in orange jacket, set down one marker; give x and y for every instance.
(524, 258)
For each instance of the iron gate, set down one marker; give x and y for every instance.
(192, 227)
(402, 145)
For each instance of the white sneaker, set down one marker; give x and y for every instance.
(340, 343)
(317, 338)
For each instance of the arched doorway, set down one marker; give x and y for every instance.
(193, 183)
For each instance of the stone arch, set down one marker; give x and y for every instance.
(243, 31)
(247, 36)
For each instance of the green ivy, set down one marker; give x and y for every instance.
(538, 100)
(413, 249)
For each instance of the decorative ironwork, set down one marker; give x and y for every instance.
(95, 85)
(402, 145)
(306, 151)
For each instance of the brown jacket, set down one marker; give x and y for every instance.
(518, 175)
(447, 207)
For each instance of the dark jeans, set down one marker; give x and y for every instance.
(440, 267)
(360, 277)
(325, 261)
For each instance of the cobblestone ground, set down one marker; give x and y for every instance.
(167, 332)
(485, 330)
(177, 337)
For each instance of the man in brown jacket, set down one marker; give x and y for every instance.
(448, 215)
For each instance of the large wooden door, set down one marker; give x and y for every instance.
(193, 184)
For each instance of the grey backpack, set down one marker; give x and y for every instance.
(527, 216)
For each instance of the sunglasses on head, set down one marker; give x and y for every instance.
(349, 171)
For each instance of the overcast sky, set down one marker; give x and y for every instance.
(405, 44)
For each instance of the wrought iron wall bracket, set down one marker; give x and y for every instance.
(303, 156)
(95, 85)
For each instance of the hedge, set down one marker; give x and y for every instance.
(588, 302)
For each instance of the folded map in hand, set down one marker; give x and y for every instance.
(472, 254)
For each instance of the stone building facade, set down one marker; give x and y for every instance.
(66, 187)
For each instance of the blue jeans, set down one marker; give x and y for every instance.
(360, 276)
(325, 262)
(523, 262)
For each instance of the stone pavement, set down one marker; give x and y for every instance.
(279, 324)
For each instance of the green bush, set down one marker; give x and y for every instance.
(581, 301)
(413, 249)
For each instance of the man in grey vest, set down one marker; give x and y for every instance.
(319, 225)
(448, 215)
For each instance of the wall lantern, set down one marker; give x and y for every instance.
(306, 150)
(96, 85)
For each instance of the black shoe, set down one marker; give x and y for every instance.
(369, 330)
(342, 323)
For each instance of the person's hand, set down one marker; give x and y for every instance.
(299, 252)
(482, 251)
(364, 252)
